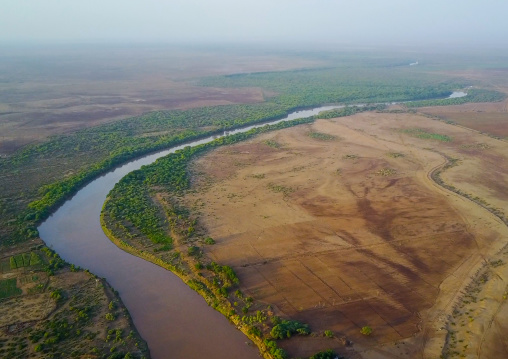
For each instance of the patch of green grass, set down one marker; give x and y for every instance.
(322, 136)
(280, 188)
(385, 172)
(423, 134)
(272, 143)
(258, 176)
(395, 154)
(8, 288)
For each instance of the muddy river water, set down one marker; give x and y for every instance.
(175, 321)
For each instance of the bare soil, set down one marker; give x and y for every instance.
(352, 231)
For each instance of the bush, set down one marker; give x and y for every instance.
(193, 250)
(366, 330)
(289, 327)
(110, 317)
(327, 354)
(328, 334)
(209, 240)
(277, 353)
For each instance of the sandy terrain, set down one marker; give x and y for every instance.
(346, 231)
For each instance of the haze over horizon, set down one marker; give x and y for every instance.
(392, 22)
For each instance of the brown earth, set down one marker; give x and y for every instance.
(352, 231)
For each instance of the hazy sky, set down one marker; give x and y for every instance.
(326, 21)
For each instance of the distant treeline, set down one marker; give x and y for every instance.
(473, 95)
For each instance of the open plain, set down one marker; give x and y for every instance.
(340, 224)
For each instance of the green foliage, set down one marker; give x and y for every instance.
(280, 188)
(193, 251)
(348, 111)
(321, 136)
(273, 143)
(209, 240)
(226, 272)
(366, 330)
(342, 85)
(54, 261)
(110, 317)
(423, 134)
(271, 347)
(328, 334)
(275, 320)
(473, 95)
(286, 328)
(260, 317)
(57, 295)
(8, 288)
(395, 154)
(327, 354)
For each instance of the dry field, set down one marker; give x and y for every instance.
(339, 224)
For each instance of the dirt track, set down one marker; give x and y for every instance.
(352, 231)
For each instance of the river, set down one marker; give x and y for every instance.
(175, 321)
(457, 94)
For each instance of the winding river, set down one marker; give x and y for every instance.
(175, 321)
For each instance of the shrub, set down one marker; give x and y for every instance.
(288, 327)
(327, 354)
(366, 330)
(193, 250)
